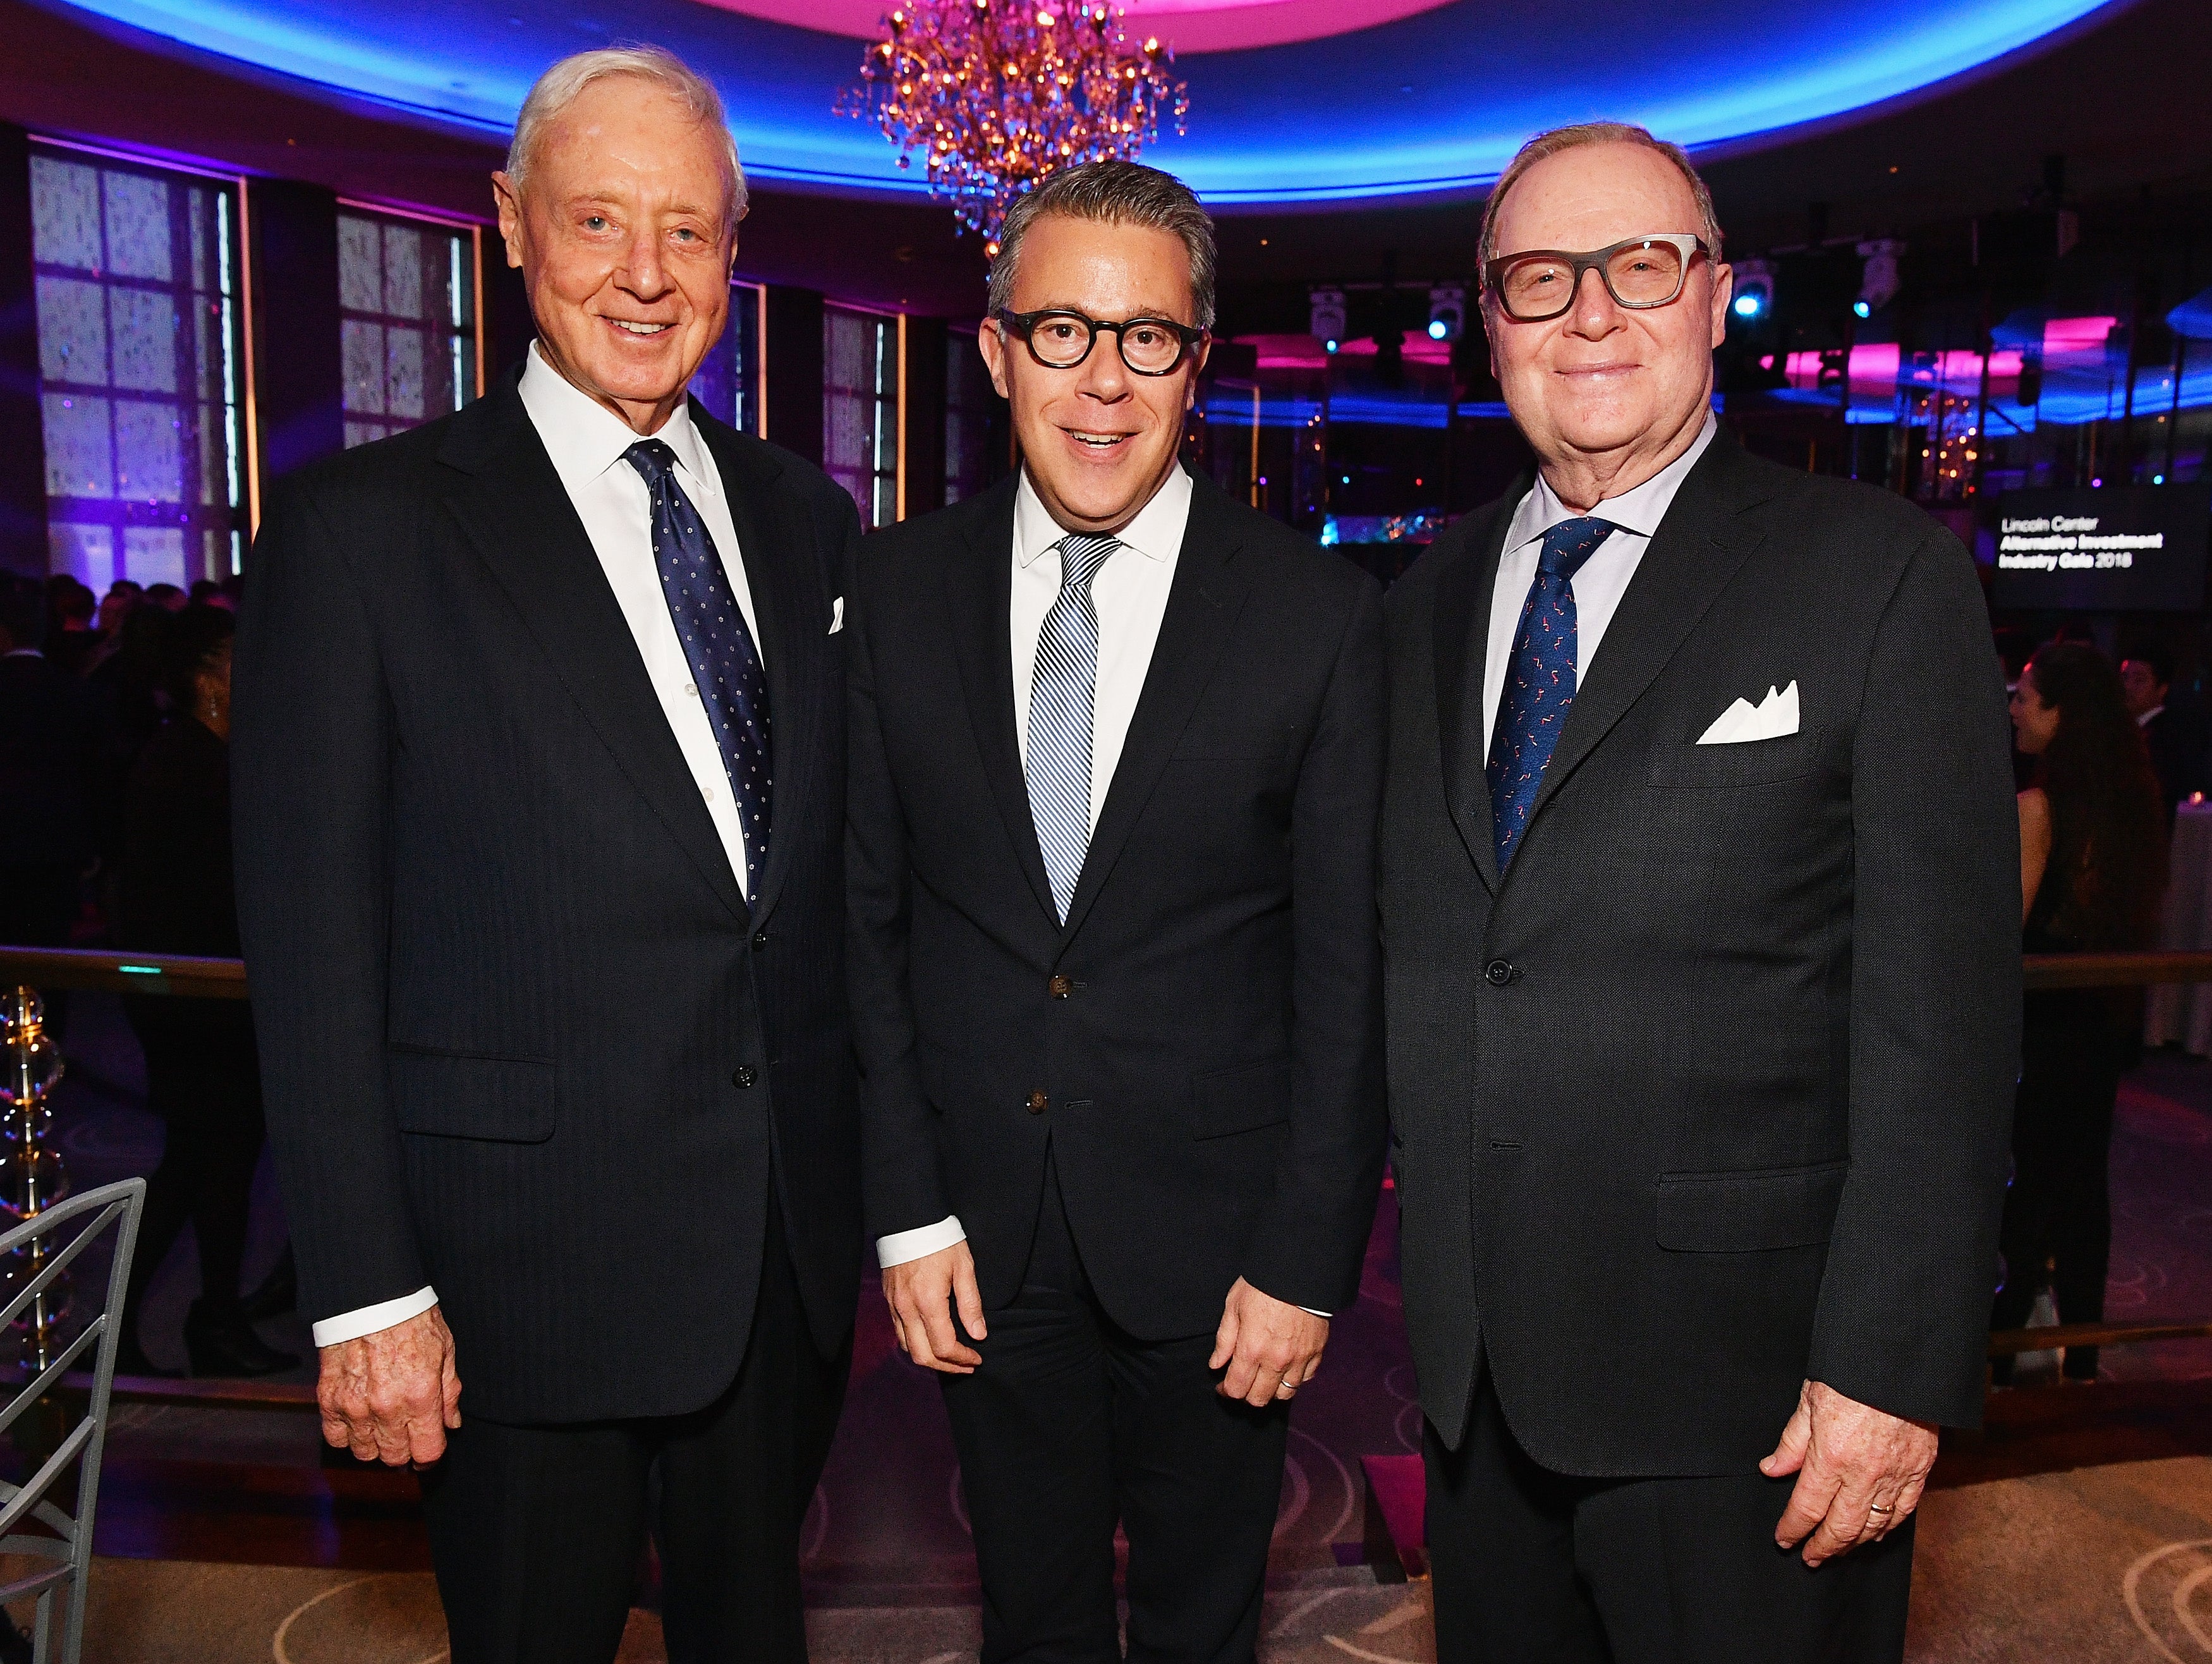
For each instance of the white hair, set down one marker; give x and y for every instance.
(559, 87)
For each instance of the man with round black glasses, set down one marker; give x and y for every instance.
(1117, 761)
(1704, 981)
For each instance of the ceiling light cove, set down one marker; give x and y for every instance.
(1278, 113)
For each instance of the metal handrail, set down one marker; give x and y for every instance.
(124, 973)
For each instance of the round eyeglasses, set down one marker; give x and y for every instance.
(1059, 340)
(1638, 274)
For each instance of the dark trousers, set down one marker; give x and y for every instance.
(1533, 1567)
(1071, 1425)
(536, 1532)
(2059, 1211)
(203, 1079)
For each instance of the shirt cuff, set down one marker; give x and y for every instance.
(902, 1246)
(372, 1320)
(1324, 1316)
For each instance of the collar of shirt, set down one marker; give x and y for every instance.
(1156, 533)
(1638, 510)
(584, 438)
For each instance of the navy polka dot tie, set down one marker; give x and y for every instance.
(726, 666)
(1540, 682)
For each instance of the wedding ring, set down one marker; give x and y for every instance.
(1876, 1508)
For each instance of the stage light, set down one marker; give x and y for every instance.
(1328, 346)
(1860, 309)
(1878, 285)
(1446, 311)
(1754, 290)
(1325, 315)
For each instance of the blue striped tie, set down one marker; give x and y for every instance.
(1061, 695)
(1540, 682)
(726, 666)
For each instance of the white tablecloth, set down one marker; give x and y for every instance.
(2183, 1010)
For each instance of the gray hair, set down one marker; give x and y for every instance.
(1113, 192)
(1596, 132)
(560, 85)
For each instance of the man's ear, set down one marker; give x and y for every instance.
(991, 342)
(509, 204)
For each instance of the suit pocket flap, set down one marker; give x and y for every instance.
(1748, 1212)
(1241, 1099)
(452, 1094)
(1753, 762)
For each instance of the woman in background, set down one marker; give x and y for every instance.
(174, 894)
(2093, 872)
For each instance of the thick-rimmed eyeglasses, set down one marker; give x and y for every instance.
(1640, 273)
(1059, 340)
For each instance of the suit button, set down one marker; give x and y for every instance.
(1059, 988)
(760, 942)
(1039, 1103)
(1498, 973)
(745, 1075)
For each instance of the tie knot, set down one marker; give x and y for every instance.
(652, 459)
(1571, 543)
(1081, 558)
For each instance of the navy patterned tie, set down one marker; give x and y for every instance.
(1540, 682)
(1061, 692)
(726, 666)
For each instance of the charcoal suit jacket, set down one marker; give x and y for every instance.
(1200, 1045)
(1709, 1091)
(523, 1038)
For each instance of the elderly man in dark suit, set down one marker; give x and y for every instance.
(1701, 913)
(539, 768)
(1116, 761)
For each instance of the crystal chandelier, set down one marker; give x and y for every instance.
(997, 93)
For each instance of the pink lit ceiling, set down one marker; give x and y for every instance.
(1187, 26)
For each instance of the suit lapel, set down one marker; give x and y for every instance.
(1700, 544)
(1462, 647)
(776, 545)
(1203, 602)
(516, 514)
(979, 593)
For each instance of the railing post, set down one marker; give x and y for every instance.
(31, 1179)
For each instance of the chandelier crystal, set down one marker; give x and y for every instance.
(997, 93)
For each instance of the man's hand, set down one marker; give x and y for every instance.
(922, 1294)
(1271, 1348)
(1860, 1472)
(390, 1396)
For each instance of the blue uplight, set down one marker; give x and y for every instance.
(1747, 305)
(1860, 308)
(1439, 328)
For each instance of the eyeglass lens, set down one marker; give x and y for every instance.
(1641, 275)
(1062, 340)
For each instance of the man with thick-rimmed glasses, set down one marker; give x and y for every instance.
(1116, 749)
(1703, 972)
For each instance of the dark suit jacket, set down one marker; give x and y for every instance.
(524, 1040)
(1204, 1035)
(49, 745)
(1710, 1093)
(2176, 740)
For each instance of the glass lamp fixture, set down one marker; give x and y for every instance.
(998, 94)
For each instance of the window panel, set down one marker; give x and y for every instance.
(138, 226)
(80, 459)
(139, 361)
(149, 460)
(72, 331)
(407, 296)
(65, 213)
(143, 324)
(859, 410)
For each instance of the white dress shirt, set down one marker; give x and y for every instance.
(1601, 583)
(586, 441)
(1130, 593)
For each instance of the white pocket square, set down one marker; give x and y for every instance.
(1774, 717)
(837, 622)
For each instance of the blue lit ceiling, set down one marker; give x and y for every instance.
(1436, 103)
